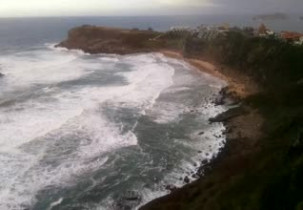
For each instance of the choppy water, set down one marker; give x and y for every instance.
(78, 131)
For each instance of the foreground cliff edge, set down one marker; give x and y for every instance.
(261, 166)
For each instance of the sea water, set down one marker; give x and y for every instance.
(80, 131)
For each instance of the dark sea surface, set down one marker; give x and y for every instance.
(81, 131)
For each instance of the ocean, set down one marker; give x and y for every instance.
(80, 131)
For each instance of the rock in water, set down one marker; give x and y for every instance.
(1, 75)
(231, 113)
(129, 200)
(201, 133)
(171, 188)
(186, 180)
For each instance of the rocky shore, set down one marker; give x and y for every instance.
(243, 123)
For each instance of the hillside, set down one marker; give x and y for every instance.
(261, 165)
(253, 171)
(92, 39)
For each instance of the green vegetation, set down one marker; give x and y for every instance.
(270, 61)
(268, 176)
(274, 178)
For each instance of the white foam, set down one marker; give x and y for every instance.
(53, 139)
(108, 58)
(184, 81)
(56, 203)
(32, 131)
(171, 107)
(209, 144)
(26, 69)
(53, 46)
(104, 136)
(147, 81)
(164, 112)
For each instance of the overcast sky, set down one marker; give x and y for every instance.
(13, 8)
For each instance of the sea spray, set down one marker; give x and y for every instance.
(81, 130)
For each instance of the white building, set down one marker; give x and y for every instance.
(300, 42)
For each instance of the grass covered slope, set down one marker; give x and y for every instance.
(269, 61)
(253, 172)
(93, 39)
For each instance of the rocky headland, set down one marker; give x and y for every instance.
(274, 16)
(92, 39)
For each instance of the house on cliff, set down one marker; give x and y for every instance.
(211, 32)
(263, 31)
(294, 37)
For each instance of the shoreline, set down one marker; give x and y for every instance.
(238, 85)
(241, 123)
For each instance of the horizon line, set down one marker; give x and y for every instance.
(160, 15)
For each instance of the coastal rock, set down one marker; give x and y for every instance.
(186, 180)
(201, 133)
(129, 200)
(204, 162)
(171, 188)
(195, 176)
(93, 39)
(226, 97)
(232, 113)
(228, 130)
(219, 101)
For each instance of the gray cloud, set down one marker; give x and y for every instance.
(146, 7)
(259, 6)
(231, 7)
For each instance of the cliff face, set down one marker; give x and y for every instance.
(92, 39)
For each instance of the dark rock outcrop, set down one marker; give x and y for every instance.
(201, 133)
(186, 180)
(171, 188)
(226, 97)
(129, 200)
(228, 115)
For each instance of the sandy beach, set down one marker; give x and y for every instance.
(239, 85)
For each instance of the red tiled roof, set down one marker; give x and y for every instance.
(291, 35)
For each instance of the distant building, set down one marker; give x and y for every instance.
(181, 31)
(264, 31)
(210, 32)
(300, 42)
(181, 28)
(223, 28)
(294, 37)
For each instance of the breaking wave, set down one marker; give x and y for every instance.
(67, 117)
